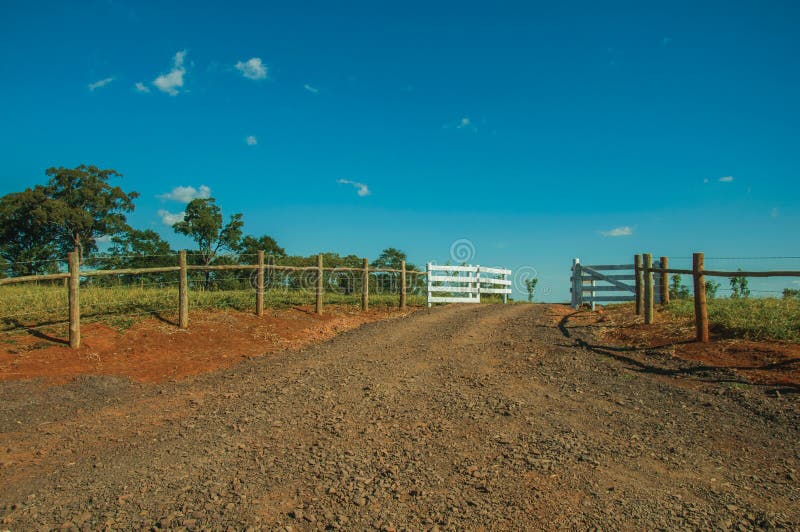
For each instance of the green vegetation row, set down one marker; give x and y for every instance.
(748, 318)
(32, 305)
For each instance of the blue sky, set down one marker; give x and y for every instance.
(539, 132)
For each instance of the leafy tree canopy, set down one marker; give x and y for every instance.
(140, 249)
(203, 224)
(251, 245)
(26, 237)
(83, 206)
(391, 258)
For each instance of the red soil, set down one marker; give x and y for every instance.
(762, 362)
(155, 351)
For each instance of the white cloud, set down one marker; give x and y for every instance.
(253, 68)
(186, 194)
(666, 41)
(251, 140)
(170, 218)
(362, 189)
(705, 180)
(774, 212)
(99, 84)
(141, 87)
(311, 89)
(726, 179)
(624, 230)
(463, 123)
(171, 82)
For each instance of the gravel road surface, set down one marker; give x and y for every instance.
(483, 416)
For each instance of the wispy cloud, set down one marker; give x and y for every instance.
(726, 179)
(141, 87)
(99, 84)
(362, 189)
(311, 89)
(170, 218)
(173, 80)
(251, 140)
(464, 123)
(774, 212)
(253, 68)
(624, 230)
(186, 194)
(666, 41)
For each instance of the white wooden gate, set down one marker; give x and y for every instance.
(465, 284)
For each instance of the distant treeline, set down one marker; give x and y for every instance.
(78, 208)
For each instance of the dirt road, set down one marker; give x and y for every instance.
(503, 417)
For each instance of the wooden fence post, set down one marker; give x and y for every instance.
(183, 292)
(260, 285)
(664, 281)
(700, 308)
(74, 299)
(365, 286)
(648, 288)
(637, 274)
(402, 284)
(320, 273)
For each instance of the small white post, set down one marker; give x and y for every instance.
(592, 294)
(505, 296)
(478, 277)
(576, 283)
(429, 284)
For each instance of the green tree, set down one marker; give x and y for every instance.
(83, 206)
(530, 286)
(739, 287)
(135, 249)
(676, 289)
(711, 289)
(251, 245)
(791, 293)
(390, 259)
(203, 223)
(26, 238)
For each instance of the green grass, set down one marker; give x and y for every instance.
(34, 305)
(752, 318)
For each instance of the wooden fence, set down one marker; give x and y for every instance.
(465, 284)
(74, 274)
(648, 277)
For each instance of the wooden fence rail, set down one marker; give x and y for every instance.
(73, 276)
(698, 273)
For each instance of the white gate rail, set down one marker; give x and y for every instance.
(465, 284)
